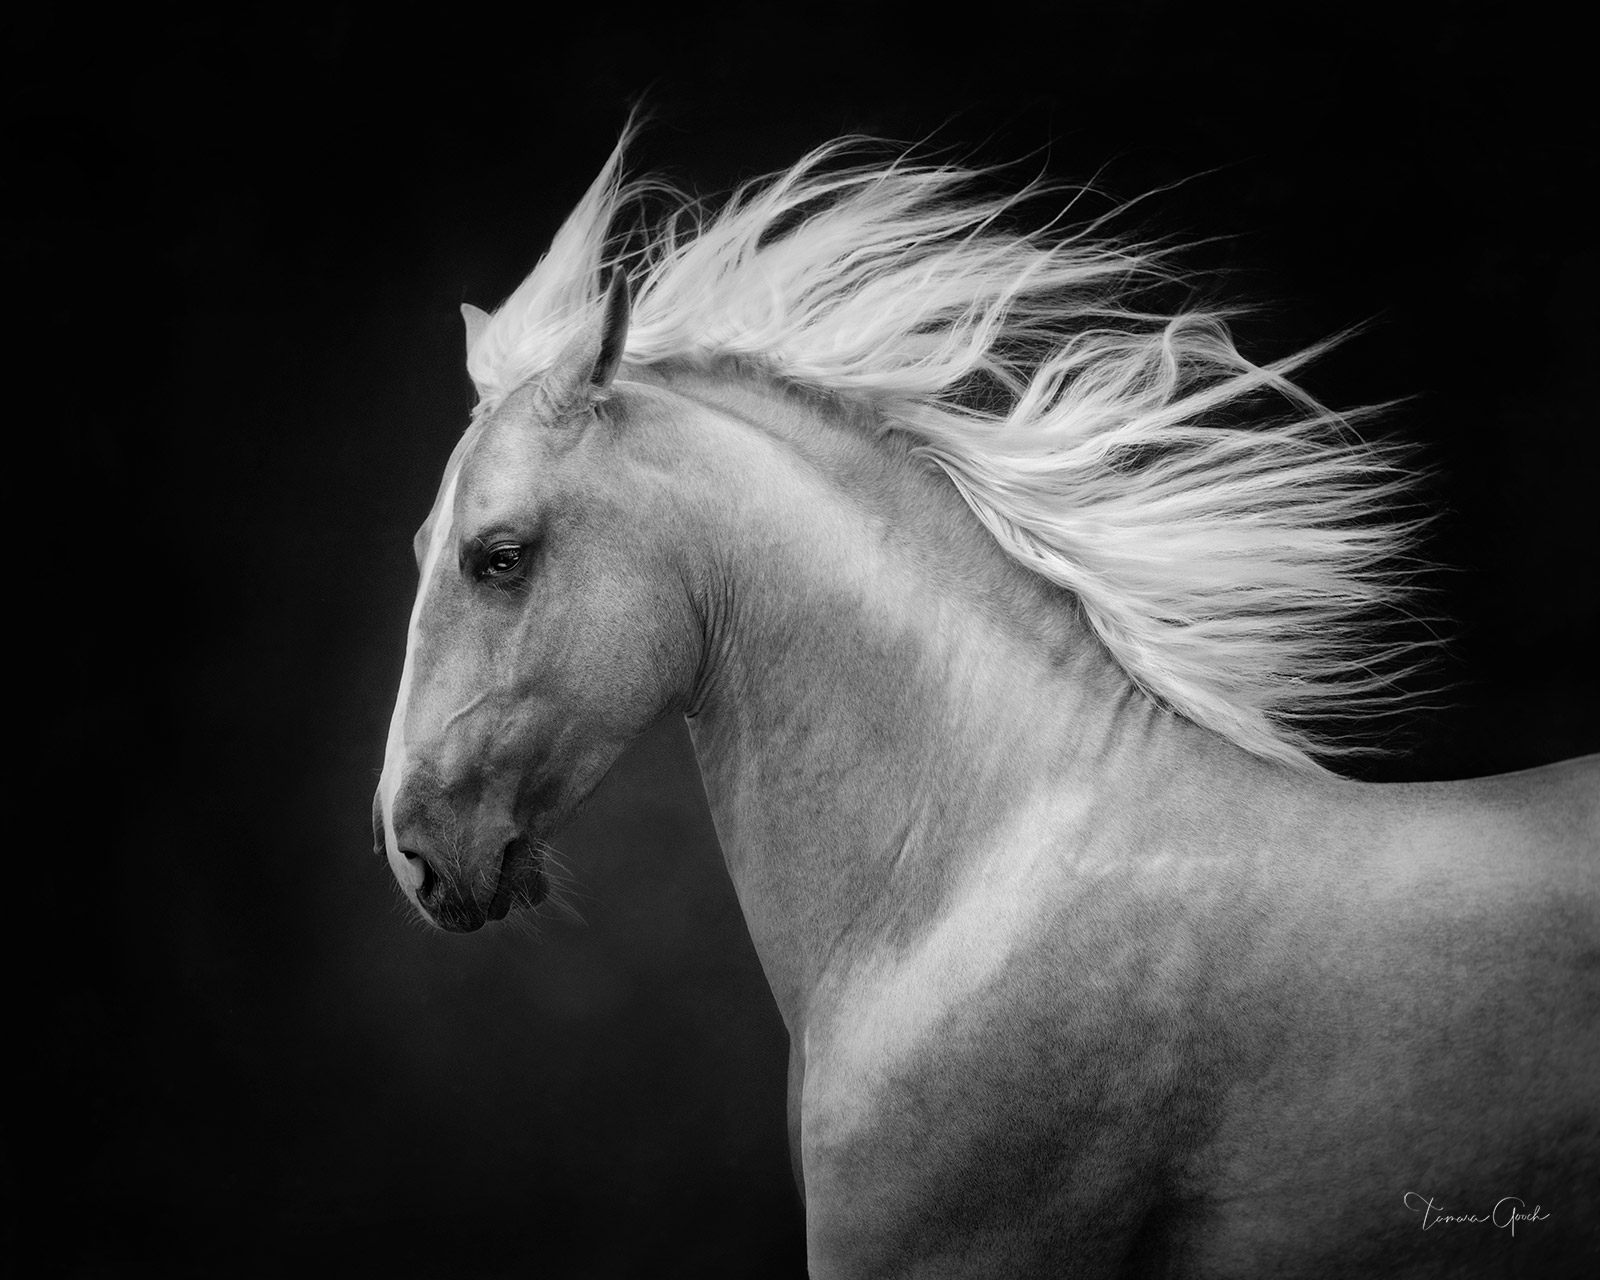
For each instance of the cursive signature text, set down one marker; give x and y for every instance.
(1507, 1212)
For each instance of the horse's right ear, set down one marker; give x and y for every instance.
(477, 321)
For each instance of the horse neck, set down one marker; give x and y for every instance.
(885, 695)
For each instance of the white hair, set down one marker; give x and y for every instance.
(1239, 572)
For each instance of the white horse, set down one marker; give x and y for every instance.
(1004, 623)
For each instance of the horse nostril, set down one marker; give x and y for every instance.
(429, 880)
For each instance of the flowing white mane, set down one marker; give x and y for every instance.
(1234, 571)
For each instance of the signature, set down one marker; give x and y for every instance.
(1507, 1212)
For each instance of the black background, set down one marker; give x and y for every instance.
(236, 247)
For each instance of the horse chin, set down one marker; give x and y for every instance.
(455, 918)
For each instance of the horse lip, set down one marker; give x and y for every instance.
(518, 852)
(500, 904)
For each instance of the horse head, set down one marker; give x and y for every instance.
(538, 645)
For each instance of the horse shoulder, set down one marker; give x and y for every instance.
(1003, 1095)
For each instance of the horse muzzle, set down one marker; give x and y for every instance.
(461, 904)
(458, 884)
(460, 901)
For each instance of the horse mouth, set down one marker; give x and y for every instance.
(521, 882)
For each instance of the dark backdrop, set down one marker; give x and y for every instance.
(236, 248)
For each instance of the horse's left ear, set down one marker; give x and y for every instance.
(585, 370)
(614, 334)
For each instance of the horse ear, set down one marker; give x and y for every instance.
(584, 371)
(614, 333)
(477, 321)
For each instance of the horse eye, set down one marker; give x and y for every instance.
(501, 560)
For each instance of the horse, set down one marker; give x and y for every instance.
(1014, 620)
